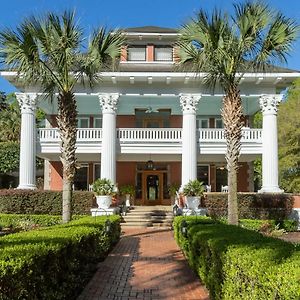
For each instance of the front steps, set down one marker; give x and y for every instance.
(148, 216)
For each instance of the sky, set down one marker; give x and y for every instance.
(132, 13)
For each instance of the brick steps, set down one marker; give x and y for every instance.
(148, 216)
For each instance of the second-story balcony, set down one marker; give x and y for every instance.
(150, 140)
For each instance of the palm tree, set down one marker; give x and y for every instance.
(10, 123)
(48, 50)
(224, 47)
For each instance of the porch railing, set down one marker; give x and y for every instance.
(149, 135)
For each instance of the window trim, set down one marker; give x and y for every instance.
(199, 119)
(208, 173)
(94, 122)
(219, 119)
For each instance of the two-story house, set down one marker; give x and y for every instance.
(151, 125)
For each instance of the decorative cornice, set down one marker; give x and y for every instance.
(269, 103)
(188, 102)
(27, 102)
(108, 102)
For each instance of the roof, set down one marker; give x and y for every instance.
(151, 29)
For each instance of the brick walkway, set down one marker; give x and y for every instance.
(145, 264)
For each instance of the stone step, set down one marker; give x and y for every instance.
(150, 217)
(150, 214)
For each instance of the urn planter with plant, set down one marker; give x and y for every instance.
(193, 192)
(104, 189)
(128, 190)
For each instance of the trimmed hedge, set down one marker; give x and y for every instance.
(31, 221)
(43, 202)
(54, 262)
(251, 205)
(236, 263)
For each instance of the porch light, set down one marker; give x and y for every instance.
(150, 164)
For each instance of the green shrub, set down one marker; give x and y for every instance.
(43, 202)
(236, 263)
(251, 205)
(54, 262)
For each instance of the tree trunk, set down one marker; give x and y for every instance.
(232, 114)
(67, 124)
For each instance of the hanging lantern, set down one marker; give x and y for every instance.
(150, 164)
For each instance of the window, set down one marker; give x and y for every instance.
(137, 53)
(202, 123)
(219, 123)
(97, 171)
(97, 122)
(203, 174)
(83, 122)
(163, 53)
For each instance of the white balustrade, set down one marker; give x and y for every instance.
(134, 135)
(149, 135)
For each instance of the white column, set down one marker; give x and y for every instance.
(188, 103)
(269, 104)
(27, 169)
(108, 103)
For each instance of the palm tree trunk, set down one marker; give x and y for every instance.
(232, 114)
(67, 124)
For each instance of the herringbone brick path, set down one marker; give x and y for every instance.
(145, 264)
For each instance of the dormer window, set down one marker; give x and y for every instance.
(163, 53)
(137, 53)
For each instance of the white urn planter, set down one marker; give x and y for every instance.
(192, 202)
(104, 201)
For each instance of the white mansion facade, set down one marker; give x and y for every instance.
(151, 126)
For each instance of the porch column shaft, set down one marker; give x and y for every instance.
(269, 104)
(108, 103)
(27, 169)
(189, 137)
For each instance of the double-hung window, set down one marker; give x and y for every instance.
(163, 53)
(136, 53)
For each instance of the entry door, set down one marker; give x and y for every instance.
(152, 187)
(153, 123)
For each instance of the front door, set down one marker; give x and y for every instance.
(152, 187)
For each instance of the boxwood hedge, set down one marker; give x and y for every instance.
(236, 263)
(54, 262)
(251, 205)
(43, 202)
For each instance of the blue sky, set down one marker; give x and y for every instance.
(132, 13)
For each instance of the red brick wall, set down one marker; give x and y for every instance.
(124, 53)
(243, 178)
(126, 173)
(125, 121)
(175, 172)
(56, 175)
(176, 121)
(150, 53)
(296, 201)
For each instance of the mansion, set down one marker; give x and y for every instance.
(151, 125)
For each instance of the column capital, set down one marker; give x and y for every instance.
(27, 102)
(108, 102)
(269, 103)
(188, 102)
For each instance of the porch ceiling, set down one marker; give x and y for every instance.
(88, 104)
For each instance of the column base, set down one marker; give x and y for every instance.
(270, 189)
(26, 187)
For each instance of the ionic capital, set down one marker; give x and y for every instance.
(108, 102)
(189, 102)
(27, 102)
(269, 103)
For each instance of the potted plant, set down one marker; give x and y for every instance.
(193, 191)
(128, 190)
(104, 189)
